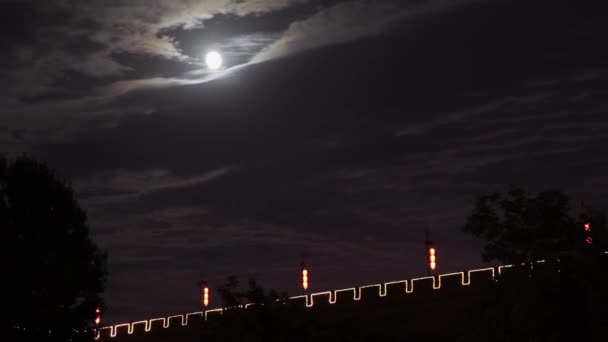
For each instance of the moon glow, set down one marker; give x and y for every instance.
(213, 60)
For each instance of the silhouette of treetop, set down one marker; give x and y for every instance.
(520, 227)
(232, 296)
(54, 274)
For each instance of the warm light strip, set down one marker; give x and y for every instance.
(194, 314)
(145, 323)
(162, 319)
(176, 316)
(465, 280)
(408, 286)
(479, 270)
(404, 282)
(221, 311)
(115, 330)
(356, 294)
(381, 289)
(500, 268)
(411, 283)
(98, 331)
(312, 297)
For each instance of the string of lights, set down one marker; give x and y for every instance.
(406, 286)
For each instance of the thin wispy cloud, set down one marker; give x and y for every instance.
(121, 185)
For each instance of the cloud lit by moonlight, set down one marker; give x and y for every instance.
(214, 60)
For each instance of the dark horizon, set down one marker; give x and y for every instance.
(337, 130)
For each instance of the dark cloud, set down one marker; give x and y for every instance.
(146, 66)
(82, 45)
(13, 28)
(22, 22)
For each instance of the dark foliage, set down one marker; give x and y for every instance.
(262, 319)
(53, 273)
(233, 296)
(519, 227)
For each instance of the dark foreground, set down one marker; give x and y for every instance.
(553, 301)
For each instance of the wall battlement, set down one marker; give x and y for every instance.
(392, 289)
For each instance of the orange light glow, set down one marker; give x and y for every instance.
(206, 296)
(305, 279)
(97, 315)
(432, 259)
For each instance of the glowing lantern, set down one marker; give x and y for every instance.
(206, 296)
(97, 316)
(305, 279)
(432, 259)
(587, 228)
(586, 223)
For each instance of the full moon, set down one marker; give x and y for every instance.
(213, 60)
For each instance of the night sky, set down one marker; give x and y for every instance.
(337, 130)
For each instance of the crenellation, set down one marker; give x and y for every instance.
(423, 284)
(319, 298)
(175, 321)
(158, 323)
(104, 333)
(482, 275)
(393, 289)
(347, 295)
(372, 292)
(210, 314)
(140, 327)
(504, 268)
(193, 317)
(124, 328)
(453, 281)
(301, 300)
(396, 288)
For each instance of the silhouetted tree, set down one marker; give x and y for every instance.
(53, 274)
(229, 292)
(564, 300)
(520, 227)
(258, 295)
(232, 295)
(264, 321)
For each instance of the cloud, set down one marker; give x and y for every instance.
(44, 40)
(194, 77)
(137, 26)
(343, 22)
(85, 36)
(122, 87)
(347, 21)
(123, 184)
